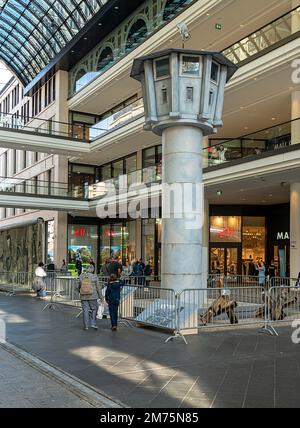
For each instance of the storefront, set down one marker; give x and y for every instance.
(240, 236)
(94, 239)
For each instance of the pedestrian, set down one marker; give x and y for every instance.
(64, 268)
(127, 269)
(114, 268)
(137, 272)
(261, 269)
(78, 266)
(113, 297)
(39, 284)
(251, 267)
(105, 268)
(90, 291)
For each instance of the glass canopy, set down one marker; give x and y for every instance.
(33, 32)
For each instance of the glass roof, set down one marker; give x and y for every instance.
(33, 32)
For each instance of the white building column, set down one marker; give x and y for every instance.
(205, 238)
(295, 230)
(295, 114)
(181, 245)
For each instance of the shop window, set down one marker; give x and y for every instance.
(118, 240)
(82, 244)
(225, 229)
(254, 240)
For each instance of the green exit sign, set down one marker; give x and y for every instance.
(218, 26)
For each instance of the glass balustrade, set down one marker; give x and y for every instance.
(265, 38)
(125, 182)
(33, 187)
(266, 140)
(117, 119)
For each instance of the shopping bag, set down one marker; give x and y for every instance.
(100, 310)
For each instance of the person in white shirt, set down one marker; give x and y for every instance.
(39, 284)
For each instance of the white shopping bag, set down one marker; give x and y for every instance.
(101, 309)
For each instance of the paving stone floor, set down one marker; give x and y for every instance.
(243, 368)
(22, 386)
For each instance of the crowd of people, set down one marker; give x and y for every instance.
(92, 294)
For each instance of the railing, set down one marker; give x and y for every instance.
(123, 183)
(47, 127)
(250, 145)
(187, 312)
(117, 119)
(265, 38)
(34, 187)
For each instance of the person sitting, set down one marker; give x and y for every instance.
(39, 284)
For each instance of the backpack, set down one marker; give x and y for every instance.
(86, 288)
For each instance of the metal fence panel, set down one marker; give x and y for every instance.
(215, 307)
(149, 305)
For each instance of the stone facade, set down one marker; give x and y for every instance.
(21, 249)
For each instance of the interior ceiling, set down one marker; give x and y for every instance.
(239, 18)
(268, 189)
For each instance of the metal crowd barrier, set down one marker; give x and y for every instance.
(216, 307)
(151, 306)
(63, 291)
(231, 280)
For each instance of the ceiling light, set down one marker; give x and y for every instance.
(219, 192)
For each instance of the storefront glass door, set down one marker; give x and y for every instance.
(224, 261)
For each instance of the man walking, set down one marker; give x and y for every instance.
(90, 291)
(112, 297)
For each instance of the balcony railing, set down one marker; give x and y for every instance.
(120, 184)
(118, 119)
(266, 140)
(34, 187)
(265, 38)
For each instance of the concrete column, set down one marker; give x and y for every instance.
(295, 114)
(295, 230)
(205, 237)
(295, 17)
(181, 246)
(60, 242)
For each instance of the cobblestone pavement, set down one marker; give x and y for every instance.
(242, 368)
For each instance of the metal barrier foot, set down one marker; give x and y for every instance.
(270, 330)
(52, 306)
(177, 335)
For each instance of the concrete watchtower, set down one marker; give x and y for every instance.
(183, 94)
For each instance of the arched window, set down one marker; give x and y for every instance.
(136, 34)
(171, 8)
(105, 58)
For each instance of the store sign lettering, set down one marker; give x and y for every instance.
(283, 236)
(80, 233)
(226, 233)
